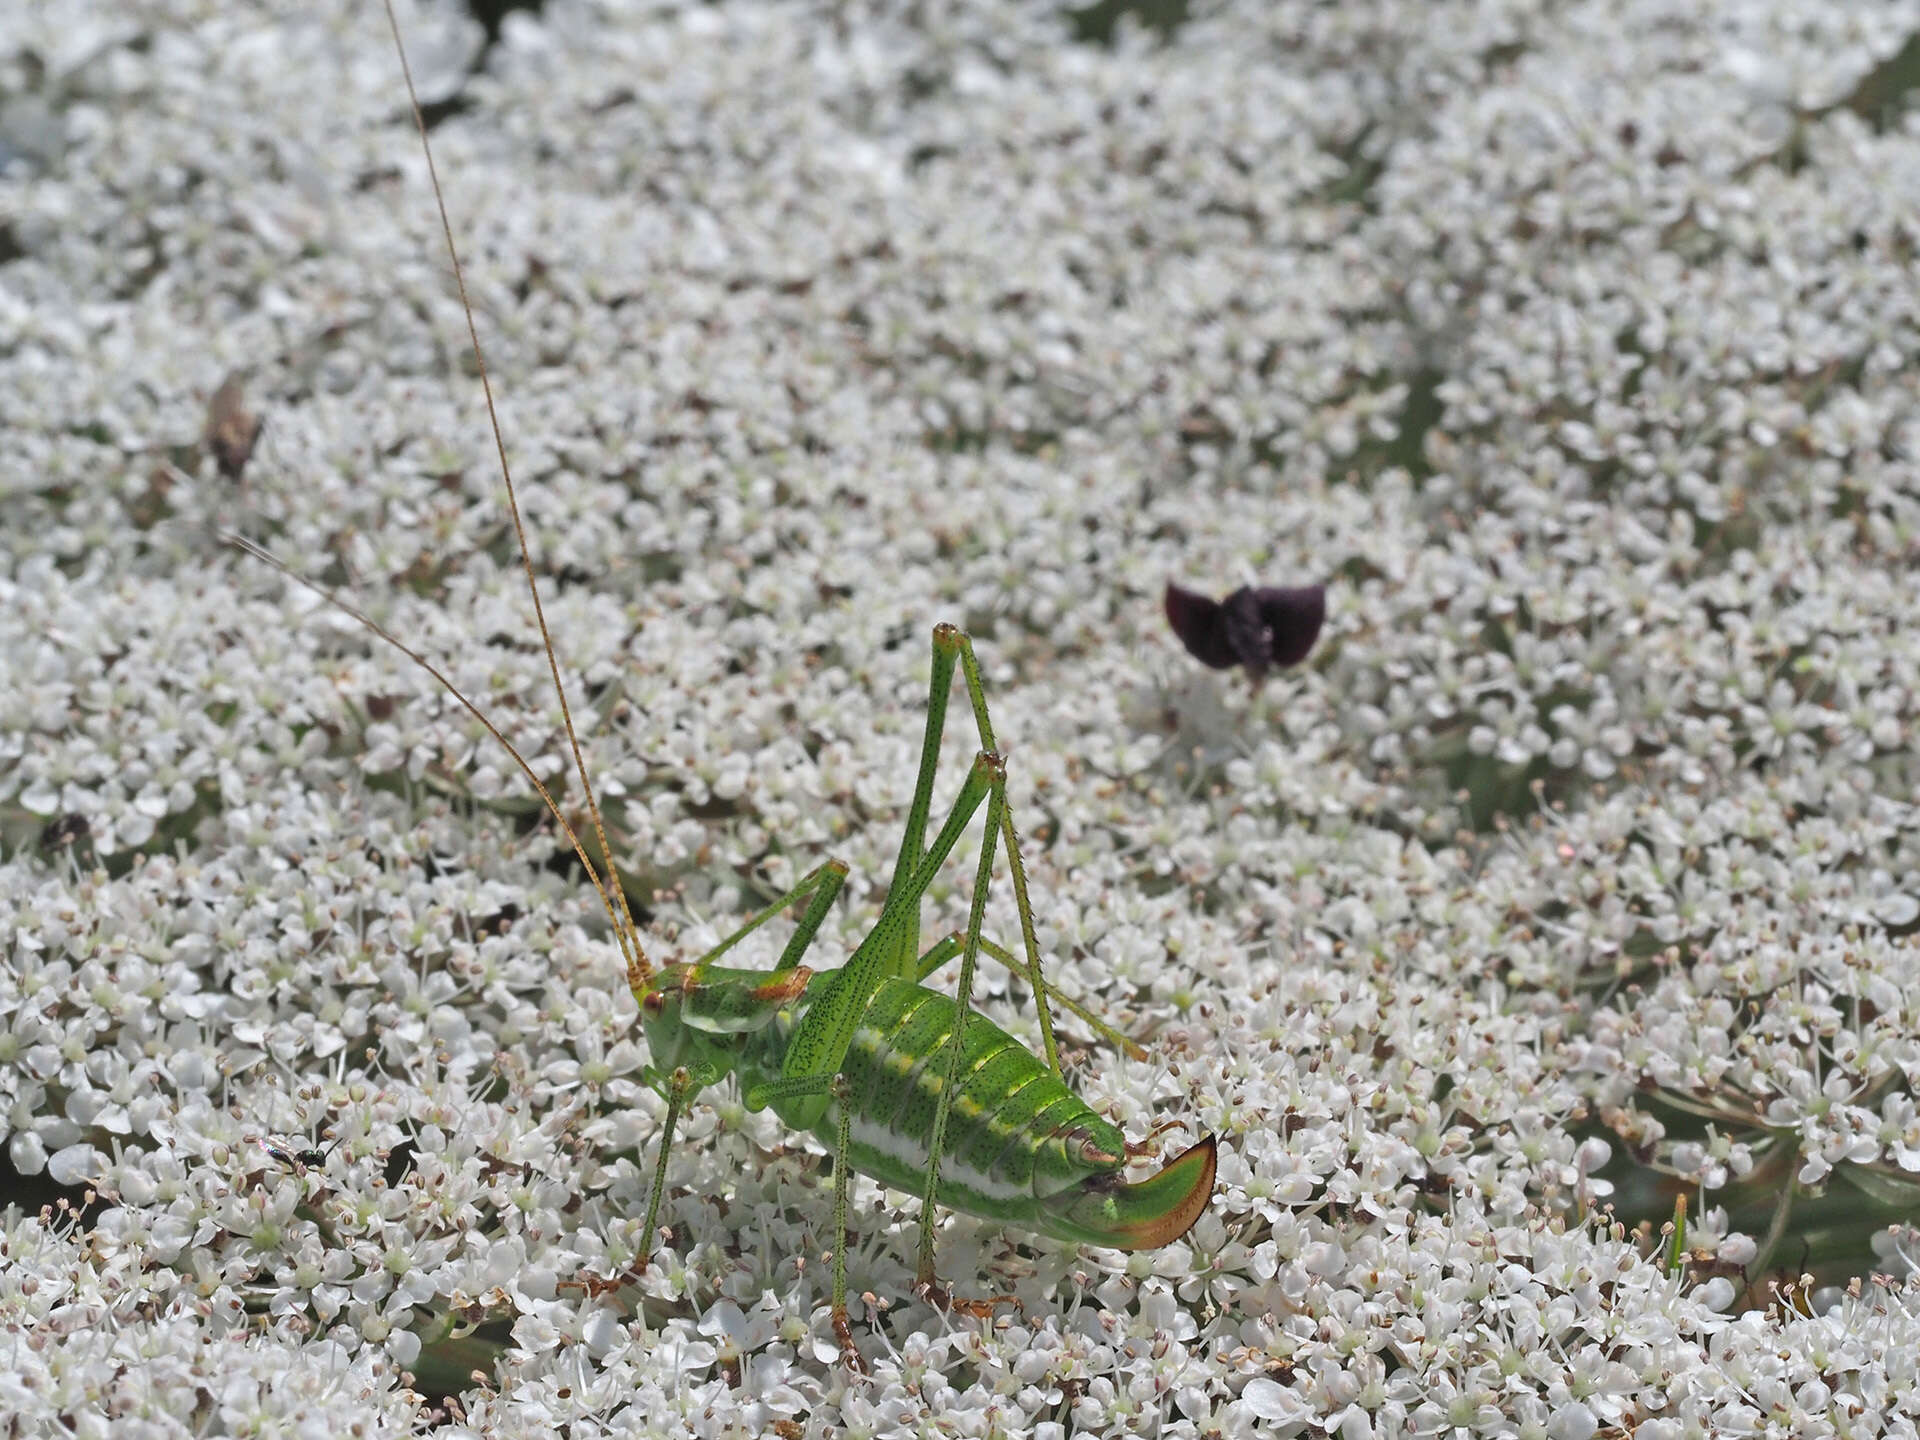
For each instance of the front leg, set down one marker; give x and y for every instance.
(837, 1091)
(679, 1085)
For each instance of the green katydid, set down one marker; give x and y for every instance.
(904, 1084)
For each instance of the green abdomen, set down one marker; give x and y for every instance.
(1015, 1134)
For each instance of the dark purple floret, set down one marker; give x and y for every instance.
(1254, 627)
(1201, 625)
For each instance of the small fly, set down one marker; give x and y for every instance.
(298, 1161)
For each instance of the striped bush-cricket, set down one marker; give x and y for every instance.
(900, 1081)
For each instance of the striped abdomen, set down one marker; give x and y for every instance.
(1020, 1146)
(1015, 1134)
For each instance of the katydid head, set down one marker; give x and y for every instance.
(699, 1012)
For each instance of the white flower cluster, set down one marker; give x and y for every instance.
(1577, 870)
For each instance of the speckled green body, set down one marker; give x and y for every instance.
(1016, 1138)
(904, 1083)
(900, 1081)
(1018, 1146)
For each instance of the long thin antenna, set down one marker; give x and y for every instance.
(639, 970)
(241, 543)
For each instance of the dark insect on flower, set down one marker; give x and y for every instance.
(65, 831)
(299, 1161)
(1254, 627)
(501, 920)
